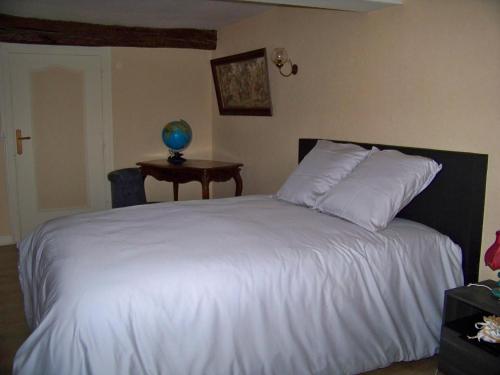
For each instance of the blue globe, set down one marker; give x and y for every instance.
(177, 136)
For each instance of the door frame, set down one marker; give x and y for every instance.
(7, 131)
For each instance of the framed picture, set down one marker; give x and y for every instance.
(242, 84)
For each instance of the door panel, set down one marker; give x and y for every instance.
(57, 101)
(58, 128)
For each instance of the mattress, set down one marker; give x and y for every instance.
(248, 285)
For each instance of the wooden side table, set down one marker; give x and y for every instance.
(203, 171)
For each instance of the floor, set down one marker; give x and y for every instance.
(13, 329)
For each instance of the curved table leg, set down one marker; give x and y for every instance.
(176, 191)
(239, 184)
(205, 186)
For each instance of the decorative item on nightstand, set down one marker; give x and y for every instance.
(177, 136)
(492, 260)
(489, 329)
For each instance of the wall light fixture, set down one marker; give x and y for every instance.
(280, 58)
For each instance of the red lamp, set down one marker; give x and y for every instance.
(492, 260)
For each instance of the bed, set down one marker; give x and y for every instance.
(248, 285)
(453, 204)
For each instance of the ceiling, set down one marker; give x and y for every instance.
(352, 5)
(200, 14)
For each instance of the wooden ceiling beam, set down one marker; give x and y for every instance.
(40, 31)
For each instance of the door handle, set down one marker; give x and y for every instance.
(19, 141)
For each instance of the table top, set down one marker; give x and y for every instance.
(189, 164)
(477, 296)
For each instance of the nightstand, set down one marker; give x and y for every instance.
(463, 307)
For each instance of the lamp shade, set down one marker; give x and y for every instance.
(492, 256)
(279, 57)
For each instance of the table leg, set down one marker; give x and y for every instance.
(239, 184)
(176, 191)
(205, 185)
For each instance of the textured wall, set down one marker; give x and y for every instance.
(150, 88)
(425, 74)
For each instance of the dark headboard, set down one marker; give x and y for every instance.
(453, 203)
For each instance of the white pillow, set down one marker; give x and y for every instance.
(379, 187)
(323, 167)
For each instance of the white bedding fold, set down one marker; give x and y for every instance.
(247, 285)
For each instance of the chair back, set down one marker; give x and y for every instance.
(127, 187)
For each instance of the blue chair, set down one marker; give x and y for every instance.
(127, 187)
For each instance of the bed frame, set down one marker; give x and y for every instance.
(454, 202)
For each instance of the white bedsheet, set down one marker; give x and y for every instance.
(247, 285)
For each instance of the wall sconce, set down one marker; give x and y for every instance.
(280, 58)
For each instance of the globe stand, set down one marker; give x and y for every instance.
(176, 158)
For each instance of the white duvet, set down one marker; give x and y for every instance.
(246, 285)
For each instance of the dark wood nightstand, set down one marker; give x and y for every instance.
(463, 307)
(203, 171)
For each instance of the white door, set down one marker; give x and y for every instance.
(57, 102)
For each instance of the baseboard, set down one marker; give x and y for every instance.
(6, 240)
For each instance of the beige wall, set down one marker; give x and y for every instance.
(425, 74)
(150, 88)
